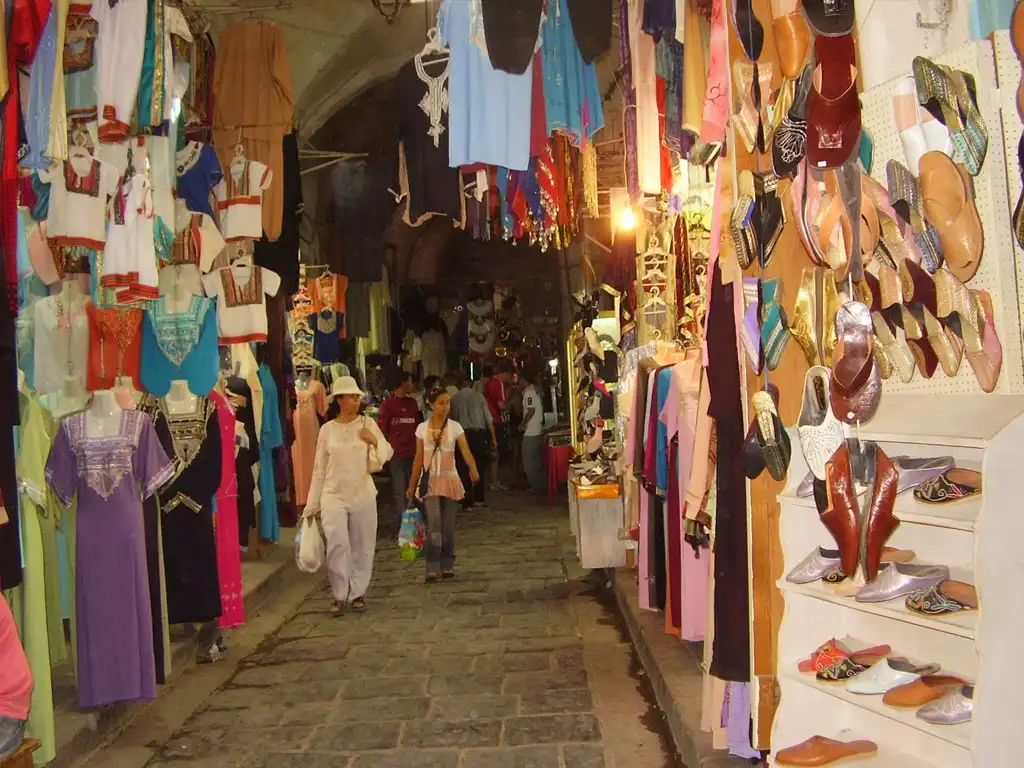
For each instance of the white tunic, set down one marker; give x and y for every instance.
(241, 292)
(340, 476)
(79, 189)
(240, 200)
(129, 260)
(61, 341)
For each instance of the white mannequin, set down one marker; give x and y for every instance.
(103, 418)
(302, 384)
(71, 290)
(178, 298)
(180, 399)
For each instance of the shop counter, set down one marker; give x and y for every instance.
(595, 516)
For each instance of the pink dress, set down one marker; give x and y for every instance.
(311, 404)
(229, 557)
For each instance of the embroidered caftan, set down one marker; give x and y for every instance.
(179, 345)
(229, 561)
(110, 476)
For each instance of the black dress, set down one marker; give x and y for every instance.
(731, 652)
(246, 457)
(154, 554)
(422, 103)
(190, 549)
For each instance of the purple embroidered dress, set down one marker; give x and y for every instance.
(111, 476)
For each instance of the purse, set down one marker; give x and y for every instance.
(425, 475)
(373, 463)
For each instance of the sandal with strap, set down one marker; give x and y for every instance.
(806, 199)
(741, 229)
(832, 227)
(336, 609)
(774, 333)
(854, 386)
(358, 605)
(905, 196)
(812, 321)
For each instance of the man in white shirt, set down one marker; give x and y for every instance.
(532, 428)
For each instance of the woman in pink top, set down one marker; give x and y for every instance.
(15, 684)
(436, 439)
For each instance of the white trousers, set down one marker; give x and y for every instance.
(351, 531)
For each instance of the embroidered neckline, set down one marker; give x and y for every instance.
(120, 325)
(188, 243)
(87, 184)
(250, 292)
(103, 461)
(188, 431)
(186, 159)
(177, 333)
(435, 101)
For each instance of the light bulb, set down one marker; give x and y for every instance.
(626, 220)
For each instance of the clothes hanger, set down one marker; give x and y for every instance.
(239, 161)
(433, 47)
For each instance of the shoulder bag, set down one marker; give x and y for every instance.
(373, 464)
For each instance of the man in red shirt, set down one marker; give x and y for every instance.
(399, 415)
(497, 401)
(15, 684)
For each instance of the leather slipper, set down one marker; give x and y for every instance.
(855, 384)
(792, 41)
(921, 691)
(833, 111)
(820, 750)
(591, 26)
(789, 142)
(748, 28)
(948, 196)
(830, 18)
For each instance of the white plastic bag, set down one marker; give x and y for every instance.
(312, 551)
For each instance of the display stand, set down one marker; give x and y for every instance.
(979, 539)
(595, 517)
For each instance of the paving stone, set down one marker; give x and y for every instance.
(448, 733)
(569, 658)
(348, 669)
(411, 758)
(527, 682)
(309, 692)
(467, 622)
(557, 702)
(266, 676)
(468, 649)
(520, 757)
(309, 715)
(288, 739)
(220, 761)
(551, 729)
(586, 756)
(302, 760)
(266, 717)
(377, 710)
(470, 598)
(411, 652)
(474, 707)
(310, 649)
(380, 687)
(544, 644)
(355, 737)
(466, 684)
(513, 662)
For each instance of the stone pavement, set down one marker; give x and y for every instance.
(519, 663)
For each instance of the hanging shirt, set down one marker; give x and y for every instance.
(572, 97)
(196, 241)
(241, 292)
(199, 173)
(61, 341)
(129, 259)
(115, 345)
(489, 110)
(79, 188)
(240, 200)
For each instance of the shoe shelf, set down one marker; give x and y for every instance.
(978, 539)
(958, 735)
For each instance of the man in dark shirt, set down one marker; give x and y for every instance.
(399, 415)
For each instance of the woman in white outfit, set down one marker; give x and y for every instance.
(343, 494)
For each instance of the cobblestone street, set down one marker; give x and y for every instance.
(518, 663)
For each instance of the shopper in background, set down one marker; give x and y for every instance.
(514, 391)
(469, 408)
(497, 401)
(450, 382)
(15, 684)
(485, 375)
(398, 418)
(436, 441)
(533, 433)
(430, 383)
(342, 492)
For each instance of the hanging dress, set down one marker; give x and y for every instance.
(229, 561)
(311, 407)
(115, 346)
(572, 97)
(110, 476)
(179, 345)
(271, 437)
(186, 503)
(199, 173)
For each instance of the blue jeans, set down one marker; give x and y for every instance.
(12, 731)
(533, 462)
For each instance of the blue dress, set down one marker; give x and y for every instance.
(572, 97)
(326, 344)
(271, 437)
(180, 345)
(199, 171)
(488, 110)
(37, 119)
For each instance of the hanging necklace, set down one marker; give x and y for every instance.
(435, 101)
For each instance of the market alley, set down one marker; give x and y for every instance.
(519, 663)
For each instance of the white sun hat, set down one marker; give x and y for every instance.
(345, 385)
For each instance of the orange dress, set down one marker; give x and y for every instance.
(311, 405)
(115, 346)
(253, 83)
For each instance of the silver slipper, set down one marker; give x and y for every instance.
(899, 579)
(814, 566)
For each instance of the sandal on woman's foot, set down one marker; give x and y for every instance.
(447, 575)
(431, 578)
(337, 608)
(358, 605)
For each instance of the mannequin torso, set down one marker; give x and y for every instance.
(103, 419)
(180, 400)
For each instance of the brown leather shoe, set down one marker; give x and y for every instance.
(819, 750)
(839, 513)
(879, 519)
(792, 39)
(833, 106)
(921, 691)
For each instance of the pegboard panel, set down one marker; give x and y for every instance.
(1008, 75)
(998, 273)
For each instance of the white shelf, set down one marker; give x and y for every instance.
(958, 516)
(967, 421)
(960, 624)
(960, 735)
